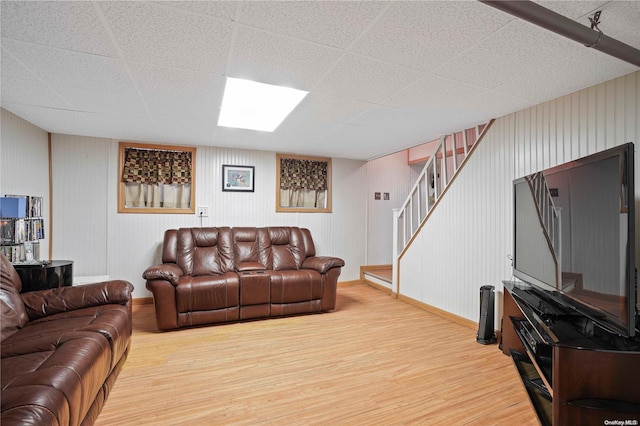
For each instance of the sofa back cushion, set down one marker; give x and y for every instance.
(14, 314)
(287, 248)
(205, 251)
(245, 245)
(309, 247)
(170, 246)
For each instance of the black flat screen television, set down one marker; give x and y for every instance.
(574, 236)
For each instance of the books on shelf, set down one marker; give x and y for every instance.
(15, 231)
(22, 253)
(21, 227)
(20, 206)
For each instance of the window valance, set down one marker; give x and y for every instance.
(153, 166)
(297, 174)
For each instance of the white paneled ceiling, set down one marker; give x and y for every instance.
(383, 76)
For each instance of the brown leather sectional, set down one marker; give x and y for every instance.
(62, 349)
(213, 275)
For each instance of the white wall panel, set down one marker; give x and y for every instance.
(25, 165)
(79, 193)
(465, 243)
(124, 245)
(389, 174)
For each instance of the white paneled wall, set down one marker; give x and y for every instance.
(124, 245)
(25, 165)
(80, 185)
(389, 174)
(465, 243)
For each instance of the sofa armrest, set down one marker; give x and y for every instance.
(322, 263)
(249, 267)
(167, 271)
(43, 303)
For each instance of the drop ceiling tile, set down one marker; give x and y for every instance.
(162, 110)
(177, 85)
(186, 131)
(167, 36)
(494, 104)
(574, 9)
(586, 68)
(93, 101)
(18, 91)
(416, 126)
(73, 69)
(350, 141)
(390, 118)
(318, 115)
(367, 80)
(12, 68)
(515, 50)
(424, 34)
(67, 25)
(434, 94)
(284, 61)
(53, 120)
(218, 9)
(123, 127)
(331, 23)
(241, 139)
(308, 145)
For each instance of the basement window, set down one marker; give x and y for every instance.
(303, 184)
(156, 178)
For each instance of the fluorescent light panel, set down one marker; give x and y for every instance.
(257, 106)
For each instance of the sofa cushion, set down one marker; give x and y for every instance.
(14, 314)
(76, 367)
(287, 248)
(245, 245)
(295, 286)
(208, 293)
(109, 322)
(205, 251)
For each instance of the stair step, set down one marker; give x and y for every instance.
(382, 275)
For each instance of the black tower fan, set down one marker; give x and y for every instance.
(486, 333)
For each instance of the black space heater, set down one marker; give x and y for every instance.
(486, 332)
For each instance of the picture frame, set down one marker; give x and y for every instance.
(238, 178)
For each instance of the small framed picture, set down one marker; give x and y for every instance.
(238, 178)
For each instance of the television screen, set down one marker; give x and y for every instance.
(574, 235)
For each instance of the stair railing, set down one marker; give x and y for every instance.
(449, 154)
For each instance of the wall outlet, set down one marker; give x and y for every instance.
(203, 211)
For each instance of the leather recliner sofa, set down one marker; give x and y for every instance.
(62, 349)
(213, 275)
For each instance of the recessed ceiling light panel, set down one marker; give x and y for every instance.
(257, 106)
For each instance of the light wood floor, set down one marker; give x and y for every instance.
(374, 360)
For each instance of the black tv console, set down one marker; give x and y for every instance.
(572, 374)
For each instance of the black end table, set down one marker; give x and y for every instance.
(42, 276)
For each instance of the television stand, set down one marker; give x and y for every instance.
(571, 377)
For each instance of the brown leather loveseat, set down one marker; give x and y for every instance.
(212, 275)
(62, 349)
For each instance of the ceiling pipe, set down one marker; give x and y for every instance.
(559, 24)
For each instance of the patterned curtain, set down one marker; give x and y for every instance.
(157, 178)
(299, 175)
(156, 166)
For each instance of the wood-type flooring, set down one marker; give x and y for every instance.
(375, 360)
